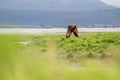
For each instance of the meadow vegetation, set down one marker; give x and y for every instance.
(92, 56)
(96, 45)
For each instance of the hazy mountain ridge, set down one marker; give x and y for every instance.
(111, 16)
(54, 5)
(76, 12)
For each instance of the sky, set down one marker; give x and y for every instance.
(115, 3)
(62, 5)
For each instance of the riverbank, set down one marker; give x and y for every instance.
(53, 30)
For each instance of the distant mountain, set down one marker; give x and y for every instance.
(54, 5)
(86, 5)
(111, 16)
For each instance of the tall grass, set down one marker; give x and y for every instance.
(90, 45)
(93, 56)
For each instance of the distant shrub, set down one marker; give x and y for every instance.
(90, 44)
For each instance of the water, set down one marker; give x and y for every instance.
(62, 26)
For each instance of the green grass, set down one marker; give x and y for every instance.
(90, 45)
(92, 56)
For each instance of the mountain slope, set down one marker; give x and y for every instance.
(54, 5)
(111, 16)
(87, 5)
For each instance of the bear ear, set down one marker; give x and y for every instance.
(69, 26)
(75, 26)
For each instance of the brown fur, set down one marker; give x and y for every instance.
(72, 29)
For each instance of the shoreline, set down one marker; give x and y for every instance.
(53, 30)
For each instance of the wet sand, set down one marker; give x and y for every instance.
(53, 30)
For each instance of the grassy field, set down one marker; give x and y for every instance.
(92, 56)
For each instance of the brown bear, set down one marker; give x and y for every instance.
(72, 28)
